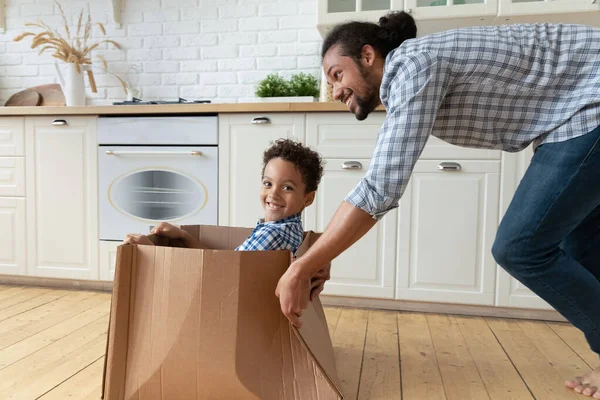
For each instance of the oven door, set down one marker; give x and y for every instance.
(141, 186)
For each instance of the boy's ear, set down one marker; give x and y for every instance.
(309, 198)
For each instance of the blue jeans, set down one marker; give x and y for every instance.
(549, 238)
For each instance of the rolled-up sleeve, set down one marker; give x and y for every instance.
(414, 96)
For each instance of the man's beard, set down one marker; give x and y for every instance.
(368, 103)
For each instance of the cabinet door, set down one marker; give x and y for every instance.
(12, 236)
(335, 11)
(366, 269)
(541, 7)
(242, 140)
(62, 197)
(12, 136)
(510, 292)
(447, 223)
(445, 9)
(108, 259)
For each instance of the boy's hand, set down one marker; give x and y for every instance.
(168, 230)
(134, 238)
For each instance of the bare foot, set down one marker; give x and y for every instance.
(588, 385)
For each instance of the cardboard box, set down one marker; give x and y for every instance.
(206, 324)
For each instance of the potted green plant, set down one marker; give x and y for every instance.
(300, 87)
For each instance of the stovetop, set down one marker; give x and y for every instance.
(138, 102)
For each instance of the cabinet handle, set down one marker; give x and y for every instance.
(409, 11)
(60, 122)
(351, 165)
(152, 153)
(261, 120)
(449, 166)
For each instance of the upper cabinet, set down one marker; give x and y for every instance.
(542, 7)
(439, 15)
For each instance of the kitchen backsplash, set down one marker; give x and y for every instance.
(195, 49)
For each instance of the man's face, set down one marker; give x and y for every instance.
(352, 82)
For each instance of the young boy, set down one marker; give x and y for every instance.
(290, 177)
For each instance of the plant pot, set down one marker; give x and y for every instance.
(290, 99)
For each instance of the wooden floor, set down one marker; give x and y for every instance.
(52, 344)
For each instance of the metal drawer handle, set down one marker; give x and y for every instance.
(60, 122)
(449, 166)
(261, 120)
(153, 153)
(351, 165)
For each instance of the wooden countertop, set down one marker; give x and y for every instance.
(212, 108)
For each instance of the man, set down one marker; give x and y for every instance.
(496, 87)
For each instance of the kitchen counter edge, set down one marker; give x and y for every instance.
(213, 108)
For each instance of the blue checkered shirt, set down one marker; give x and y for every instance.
(284, 234)
(493, 87)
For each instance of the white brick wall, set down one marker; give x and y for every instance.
(195, 49)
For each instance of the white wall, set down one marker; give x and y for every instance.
(196, 49)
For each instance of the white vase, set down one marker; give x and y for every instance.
(72, 84)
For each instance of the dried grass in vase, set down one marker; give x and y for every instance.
(69, 48)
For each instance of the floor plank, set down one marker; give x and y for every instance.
(332, 314)
(32, 303)
(459, 372)
(539, 375)
(502, 381)
(32, 344)
(575, 339)
(36, 363)
(83, 384)
(348, 344)
(22, 326)
(62, 369)
(421, 379)
(380, 378)
(564, 360)
(23, 295)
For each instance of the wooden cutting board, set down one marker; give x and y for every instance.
(51, 94)
(28, 97)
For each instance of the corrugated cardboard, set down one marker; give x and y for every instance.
(205, 324)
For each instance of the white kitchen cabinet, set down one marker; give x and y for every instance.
(12, 236)
(509, 291)
(541, 7)
(108, 259)
(62, 197)
(242, 140)
(447, 222)
(444, 9)
(367, 268)
(335, 11)
(13, 258)
(12, 136)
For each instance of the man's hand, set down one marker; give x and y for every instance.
(318, 281)
(134, 238)
(293, 291)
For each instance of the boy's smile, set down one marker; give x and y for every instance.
(283, 191)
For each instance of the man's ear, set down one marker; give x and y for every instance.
(368, 54)
(309, 198)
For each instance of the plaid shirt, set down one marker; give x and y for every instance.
(493, 87)
(284, 234)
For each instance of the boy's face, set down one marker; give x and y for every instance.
(283, 192)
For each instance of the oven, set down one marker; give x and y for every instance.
(156, 168)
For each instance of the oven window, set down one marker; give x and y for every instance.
(157, 195)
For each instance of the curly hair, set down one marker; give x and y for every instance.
(307, 161)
